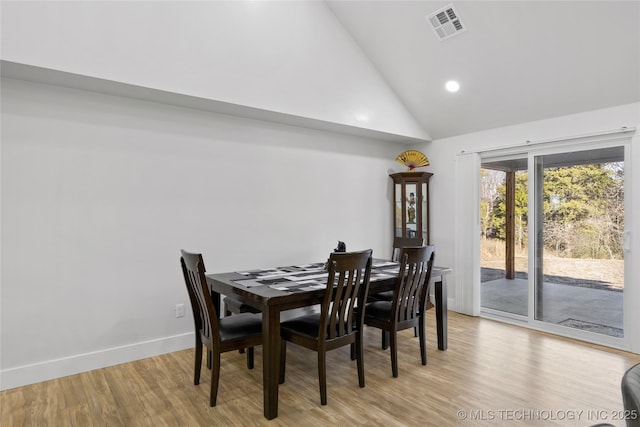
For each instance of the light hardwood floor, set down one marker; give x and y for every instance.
(492, 374)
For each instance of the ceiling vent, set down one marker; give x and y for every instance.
(446, 22)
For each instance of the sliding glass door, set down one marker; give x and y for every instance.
(552, 239)
(579, 255)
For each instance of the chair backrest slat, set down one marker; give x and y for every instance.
(204, 313)
(347, 286)
(411, 291)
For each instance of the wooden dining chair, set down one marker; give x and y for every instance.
(218, 335)
(335, 325)
(398, 244)
(408, 306)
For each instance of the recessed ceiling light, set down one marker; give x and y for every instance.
(452, 86)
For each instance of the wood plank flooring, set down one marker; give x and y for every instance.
(492, 374)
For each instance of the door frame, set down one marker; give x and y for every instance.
(625, 139)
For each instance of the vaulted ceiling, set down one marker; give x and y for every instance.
(516, 61)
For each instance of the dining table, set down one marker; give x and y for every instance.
(274, 290)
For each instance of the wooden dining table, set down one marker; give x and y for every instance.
(274, 290)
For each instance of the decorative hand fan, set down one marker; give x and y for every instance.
(412, 159)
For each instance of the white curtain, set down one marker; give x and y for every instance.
(467, 233)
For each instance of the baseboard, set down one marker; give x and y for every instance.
(51, 369)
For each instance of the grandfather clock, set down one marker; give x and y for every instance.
(411, 205)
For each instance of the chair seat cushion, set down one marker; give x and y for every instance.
(388, 296)
(306, 325)
(378, 309)
(381, 296)
(240, 325)
(235, 306)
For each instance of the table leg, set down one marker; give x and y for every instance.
(270, 360)
(441, 312)
(216, 298)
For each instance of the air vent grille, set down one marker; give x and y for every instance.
(446, 22)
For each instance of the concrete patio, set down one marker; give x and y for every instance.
(596, 310)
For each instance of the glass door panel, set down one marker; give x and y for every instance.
(398, 210)
(504, 240)
(410, 209)
(579, 255)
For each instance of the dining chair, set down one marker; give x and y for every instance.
(219, 335)
(336, 324)
(407, 308)
(398, 244)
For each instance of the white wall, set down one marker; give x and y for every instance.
(100, 193)
(288, 57)
(443, 153)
